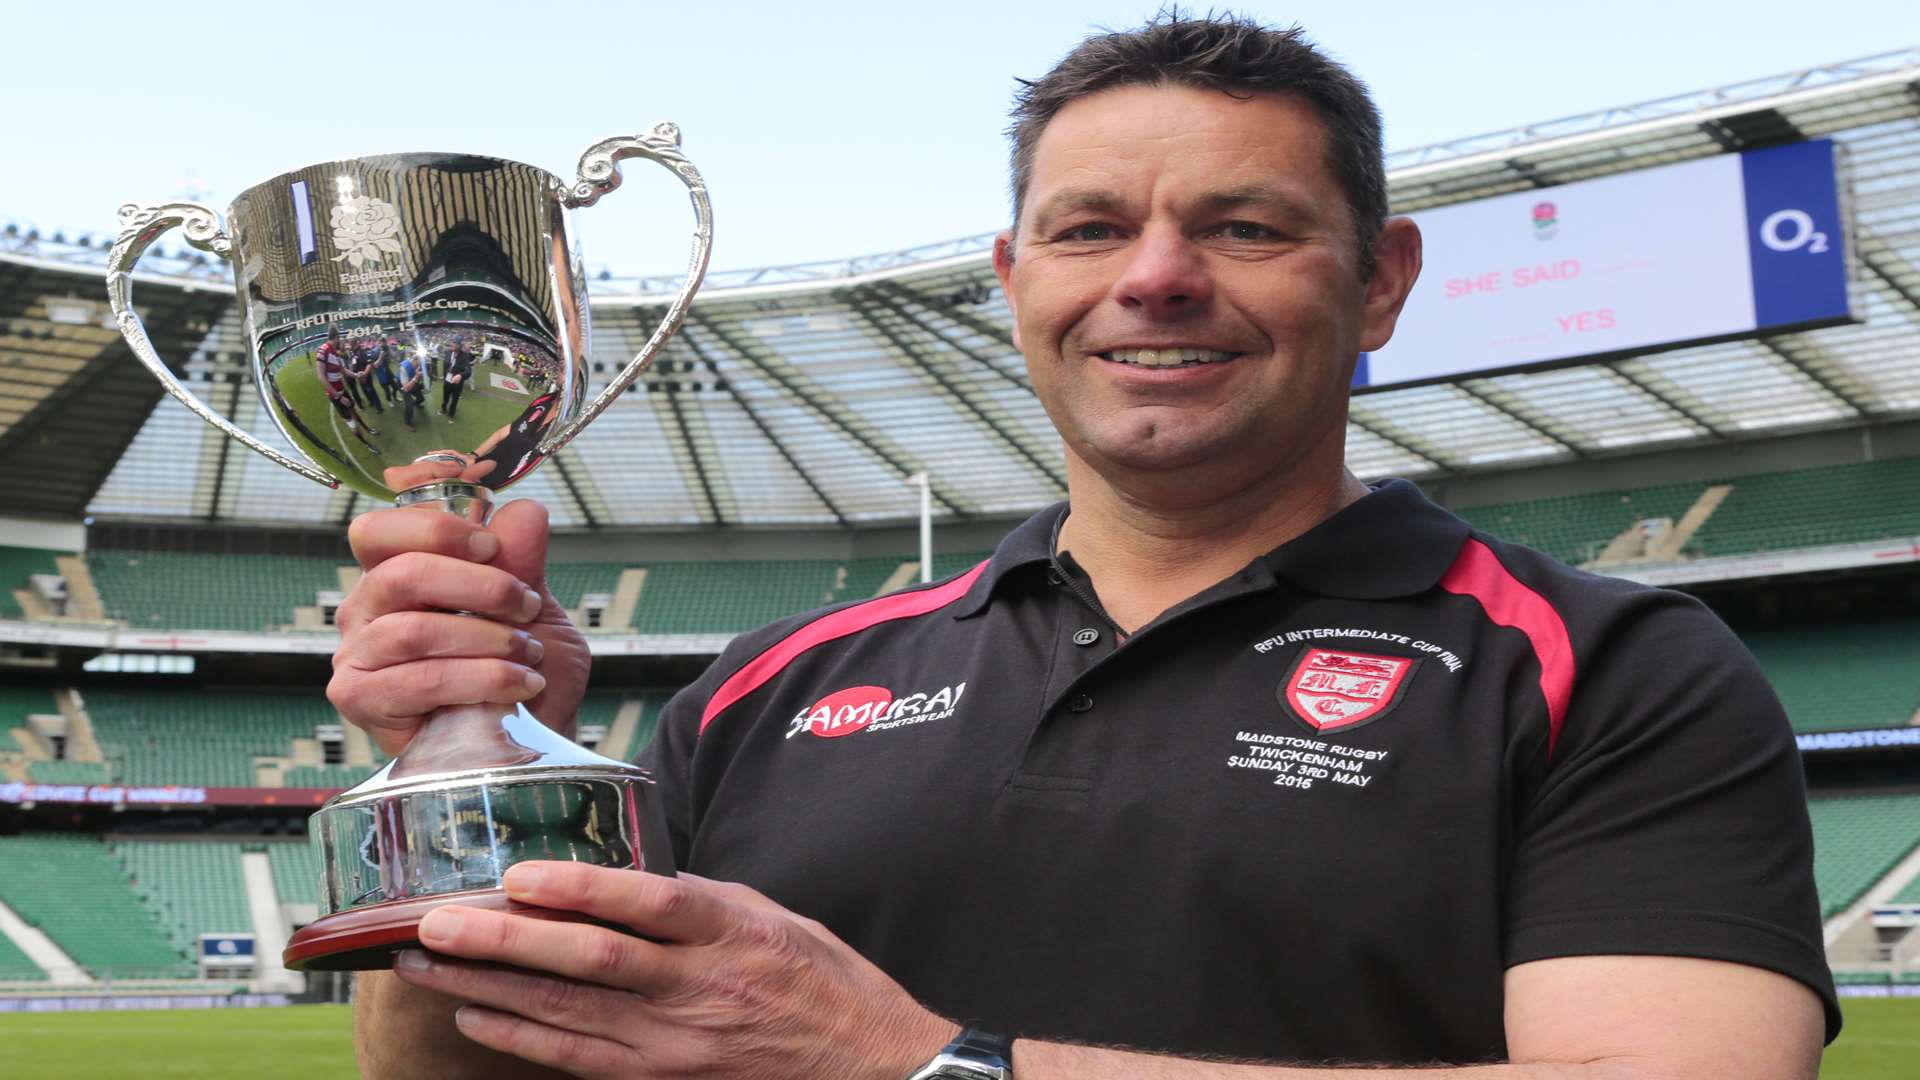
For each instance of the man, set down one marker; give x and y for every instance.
(459, 370)
(329, 360)
(413, 392)
(1230, 762)
(384, 355)
(360, 368)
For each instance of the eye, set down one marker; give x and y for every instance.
(1246, 230)
(1092, 232)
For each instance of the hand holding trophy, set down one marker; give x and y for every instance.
(417, 325)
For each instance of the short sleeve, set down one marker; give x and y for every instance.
(668, 757)
(1672, 816)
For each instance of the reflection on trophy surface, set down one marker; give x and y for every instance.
(411, 306)
(418, 330)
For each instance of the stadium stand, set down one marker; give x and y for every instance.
(1910, 894)
(1856, 840)
(715, 597)
(15, 966)
(17, 564)
(73, 889)
(206, 738)
(1576, 528)
(1778, 511)
(1840, 504)
(194, 887)
(327, 776)
(1858, 675)
(296, 872)
(68, 772)
(168, 590)
(569, 581)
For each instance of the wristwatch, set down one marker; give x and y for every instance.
(975, 1055)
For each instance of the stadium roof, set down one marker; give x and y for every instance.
(805, 395)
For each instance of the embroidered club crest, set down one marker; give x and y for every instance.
(1334, 688)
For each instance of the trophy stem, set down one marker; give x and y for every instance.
(471, 501)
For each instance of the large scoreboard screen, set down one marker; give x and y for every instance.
(1715, 248)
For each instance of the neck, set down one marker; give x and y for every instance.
(1148, 547)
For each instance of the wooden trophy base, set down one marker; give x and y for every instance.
(365, 939)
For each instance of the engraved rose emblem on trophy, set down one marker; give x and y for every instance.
(364, 228)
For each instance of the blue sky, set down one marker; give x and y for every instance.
(823, 130)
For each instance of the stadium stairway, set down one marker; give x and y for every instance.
(27, 955)
(270, 930)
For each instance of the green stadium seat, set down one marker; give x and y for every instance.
(1837, 504)
(195, 887)
(296, 871)
(73, 889)
(192, 591)
(16, 966)
(200, 738)
(327, 776)
(1856, 840)
(17, 565)
(68, 772)
(1830, 677)
(730, 597)
(1576, 528)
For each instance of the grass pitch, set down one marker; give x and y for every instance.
(315, 1042)
(305, 1042)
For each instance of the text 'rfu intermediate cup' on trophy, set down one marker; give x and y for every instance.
(418, 329)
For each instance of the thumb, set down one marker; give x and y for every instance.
(521, 526)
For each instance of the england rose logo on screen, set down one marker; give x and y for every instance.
(1545, 217)
(365, 229)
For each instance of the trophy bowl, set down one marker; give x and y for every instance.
(417, 327)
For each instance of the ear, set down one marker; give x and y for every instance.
(1396, 266)
(1003, 269)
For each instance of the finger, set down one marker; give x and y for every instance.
(567, 1051)
(382, 534)
(563, 1003)
(576, 950)
(685, 910)
(405, 636)
(521, 526)
(421, 581)
(391, 702)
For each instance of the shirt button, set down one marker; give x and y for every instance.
(1086, 635)
(1080, 703)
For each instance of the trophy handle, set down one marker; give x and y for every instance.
(140, 226)
(599, 174)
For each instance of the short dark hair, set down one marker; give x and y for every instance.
(1233, 54)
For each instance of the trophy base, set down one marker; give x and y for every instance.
(366, 939)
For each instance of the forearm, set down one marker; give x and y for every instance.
(401, 1032)
(1060, 1061)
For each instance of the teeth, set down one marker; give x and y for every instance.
(1167, 357)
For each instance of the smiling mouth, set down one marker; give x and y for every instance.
(1167, 358)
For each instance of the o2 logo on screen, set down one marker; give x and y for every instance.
(1792, 230)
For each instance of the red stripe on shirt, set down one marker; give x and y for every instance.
(1509, 602)
(839, 624)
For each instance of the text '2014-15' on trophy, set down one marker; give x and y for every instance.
(417, 326)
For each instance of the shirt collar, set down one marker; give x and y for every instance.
(1392, 542)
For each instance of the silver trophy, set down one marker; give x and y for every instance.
(418, 330)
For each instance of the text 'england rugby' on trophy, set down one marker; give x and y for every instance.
(417, 325)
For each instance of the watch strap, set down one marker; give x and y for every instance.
(975, 1042)
(974, 1055)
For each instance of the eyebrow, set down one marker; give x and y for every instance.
(1260, 195)
(1096, 200)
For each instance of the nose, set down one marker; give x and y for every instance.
(1165, 275)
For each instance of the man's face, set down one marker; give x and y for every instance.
(1185, 282)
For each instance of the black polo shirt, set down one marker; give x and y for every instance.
(1311, 814)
